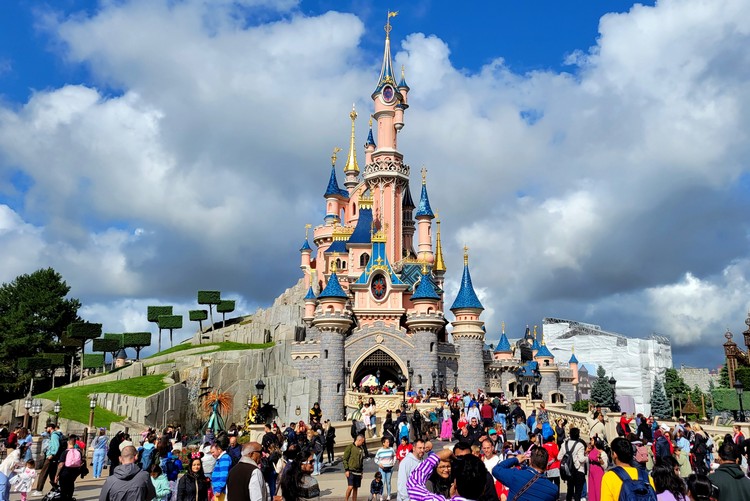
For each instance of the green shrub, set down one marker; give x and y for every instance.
(225, 306)
(209, 297)
(154, 312)
(55, 359)
(84, 330)
(33, 364)
(170, 321)
(581, 406)
(106, 345)
(136, 339)
(198, 315)
(93, 360)
(115, 336)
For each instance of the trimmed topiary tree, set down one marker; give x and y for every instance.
(152, 315)
(224, 307)
(210, 298)
(31, 365)
(92, 360)
(56, 361)
(72, 345)
(107, 345)
(199, 316)
(83, 331)
(170, 322)
(136, 340)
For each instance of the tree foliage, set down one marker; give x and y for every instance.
(137, 340)
(581, 406)
(601, 390)
(93, 360)
(224, 307)
(198, 316)
(674, 385)
(84, 331)
(170, 322)
(210, 298)
(33, 364)
(34, 313)
(154, 312)
(724, 377)
(659, 404)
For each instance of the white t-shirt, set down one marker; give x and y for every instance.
(491, 462)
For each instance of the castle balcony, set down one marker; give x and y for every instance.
(386, 167)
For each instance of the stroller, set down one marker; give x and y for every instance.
(53, 495)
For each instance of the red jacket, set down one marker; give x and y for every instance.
(486, 412)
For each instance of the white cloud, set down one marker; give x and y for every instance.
(200, 163)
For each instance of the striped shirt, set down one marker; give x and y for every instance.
(416, 483)
(385, 458)
(220, 473)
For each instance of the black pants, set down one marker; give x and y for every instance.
(68, 482)
(329, 450)
(575, 486)
(49, 470)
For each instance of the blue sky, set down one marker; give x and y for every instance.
(593, 155)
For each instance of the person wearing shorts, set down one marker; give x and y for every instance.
(354, 459)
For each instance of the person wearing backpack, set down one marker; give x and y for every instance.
(49, 468)
(147, 452)
(624, 482)
(572, 458)
(71, 462)
(171, 466)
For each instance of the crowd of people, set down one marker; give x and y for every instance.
(496, 452)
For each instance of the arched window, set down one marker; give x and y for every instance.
(364, 259)
(338, 264)
(432, 347)
(343, 265)
(338, 388)
(354, 210)
(325, 354)
(419, 378)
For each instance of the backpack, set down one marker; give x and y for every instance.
(146, 457)
(641, 454)
(547, 431)
(620, 430)
(62, 444)
(73, 458)
(170, 469)
(567, 466)
(634, 490)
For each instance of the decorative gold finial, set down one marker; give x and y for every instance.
(353, 114)
(437, 216)
(466, 255)
(424, 268)
(351, 161)
(371, 121)
(402, 72)
(535, 332)
(503, 326)
(572, 348)
(388, 23)
(439, 262)
(424, 175)
(307, 230)
(336, 149)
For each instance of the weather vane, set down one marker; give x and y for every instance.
(333, 157)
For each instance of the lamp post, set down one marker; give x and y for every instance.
(455, 381)
(613, 382)
(434, 377)
(92, 407)
(27, 403)
(739, 388)
(58, 408)
(411, 375)
(402, 380)
(260, 386)
(441, 376)
(35, 409)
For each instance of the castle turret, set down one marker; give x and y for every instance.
(468, 333)
(535, 344)
(424, 323)
(335, 196)
(310, 300)
(424, 218)
(573, 363)
(369, 145)
(503, 351)
(351, 169)
(407, 206)
(333, 320)
(305, 253)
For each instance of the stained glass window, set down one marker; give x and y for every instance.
(379, 287)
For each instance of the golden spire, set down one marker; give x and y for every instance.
(439, 262)
(424, 175)
(351, 161)
(402, 73)
(466, 255)
(388, 23)
(336, 149)
(502, 324)
(535, 332)
(307, 230)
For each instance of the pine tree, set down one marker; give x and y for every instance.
(723, 377)
(601, 391)
(674, 385)
(659, 404)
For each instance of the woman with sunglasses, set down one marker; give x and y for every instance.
(297, 484)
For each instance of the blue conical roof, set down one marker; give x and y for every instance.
(544, 352)
(402, 83)
(503, 345)
(424, 208)
(535, 345)
(305, 246)
(466, 297)
(573, 359)
(425, 289)
(333, 288)
(333, 188)
(370, 140)
(310, 294)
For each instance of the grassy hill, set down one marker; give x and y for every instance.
(224, 346)
(75, 399)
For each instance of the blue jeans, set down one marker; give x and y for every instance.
(318, 459)
(387, 481)
(100, 455)
(4, 488)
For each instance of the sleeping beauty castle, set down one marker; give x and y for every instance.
(374, 271)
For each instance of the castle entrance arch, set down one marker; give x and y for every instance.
(378, 361)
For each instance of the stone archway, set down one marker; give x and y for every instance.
(377, 360)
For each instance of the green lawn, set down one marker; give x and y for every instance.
(225, 346)
(74, 400)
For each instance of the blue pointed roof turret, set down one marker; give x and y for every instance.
(386, 71)
(544, 352)
(362, 232)
(305, 246)
(424, 209)
(407, 202)
(573, 359)
(333, 289)
(527, 335)
(425, 289)
(503, 345)
(466, 297)
(333, 188)
(310, 295)
(402, 83)
(370, 140)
